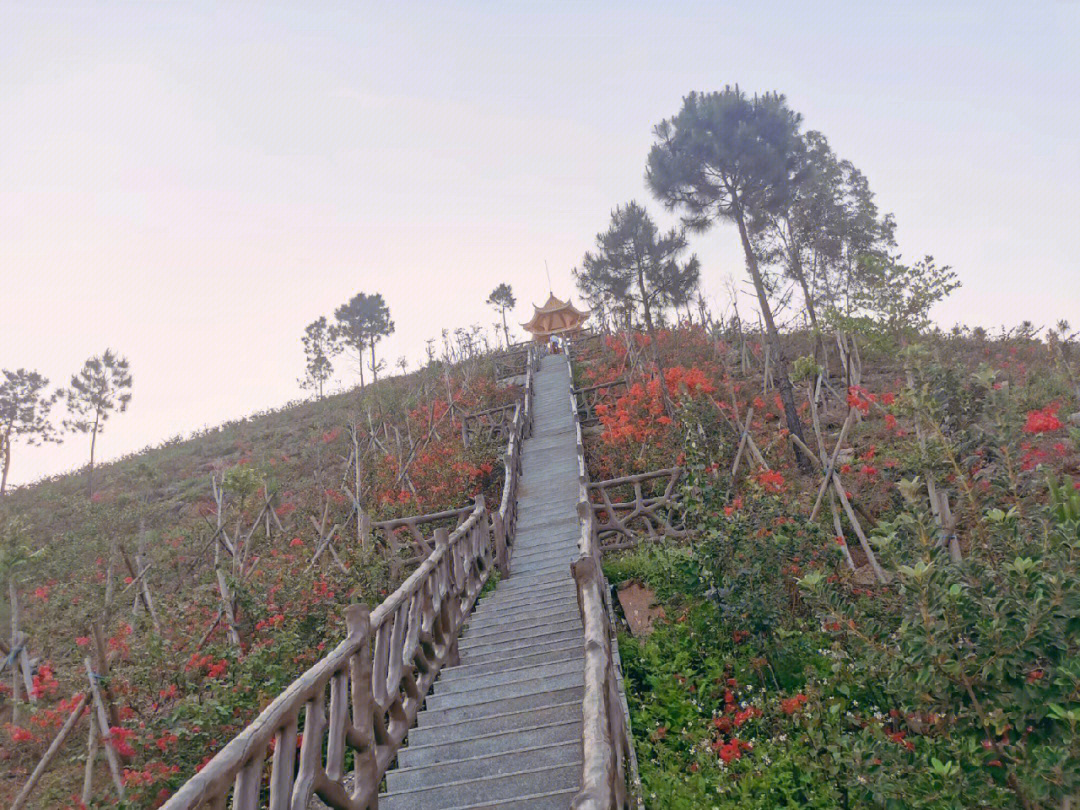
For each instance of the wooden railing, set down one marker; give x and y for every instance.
(578, 347)
(589, 396)
(404, 540)
(364, 696)
(513, 363)
(489, 425)
(636, 507)
(608, 751)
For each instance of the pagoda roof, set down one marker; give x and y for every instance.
(555, 316)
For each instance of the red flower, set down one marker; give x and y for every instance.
(771, 481)
(118, 739)
(749, 713)
(1043, 421)
(793, 704)
(19, 734)
(296, 541)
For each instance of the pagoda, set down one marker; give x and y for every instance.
(555, 318)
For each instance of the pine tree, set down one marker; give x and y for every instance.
(728, 156)
(24, 412)
(101, 387)
(502, 298)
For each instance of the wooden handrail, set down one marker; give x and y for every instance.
(365, 694)
(606, 745)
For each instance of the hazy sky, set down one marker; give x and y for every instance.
(191, 184)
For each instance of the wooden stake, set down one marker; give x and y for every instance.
(103, 723)
(91, 760)
(13, 596)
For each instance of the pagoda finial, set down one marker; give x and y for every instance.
(551, 290)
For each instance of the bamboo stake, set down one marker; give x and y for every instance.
(832, 477)
(839, 528)
(832, 463)
(742, 442)
(13, 596)
(91, 759)
(103, 723)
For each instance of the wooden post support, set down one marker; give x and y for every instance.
(502, 560)
(104, 729)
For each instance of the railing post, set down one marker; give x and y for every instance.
(451, 606)
(502, 562)
(365, 529)
(358, 624)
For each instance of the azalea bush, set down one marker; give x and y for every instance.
(779, 677)
(980, 658)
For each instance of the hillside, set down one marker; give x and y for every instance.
(810, 646)
(231, 520)
(858, 644)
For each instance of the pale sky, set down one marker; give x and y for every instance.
(191, 184)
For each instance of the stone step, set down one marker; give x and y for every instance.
(522, 639)
(500, 618)
(537, 735)
(473, 793)
(524, 604)
(558, 800)
(516, 625)
(433, 734)
(532, 583)
(496, 723)
(529, 582)
(484, 655)
(541, 541)
(504, 598)
(548, 669)
(536, 542)
(542, 538)
(487, 709)
(480, 767)
(563, 652)
(507, 690)
(557, 562)
(525, 556)
(550, 522)
(513, 632)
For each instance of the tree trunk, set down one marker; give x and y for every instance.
(666, 395)
(5, 446)
(795, 264)
(93, 444)
(787, 396)
(374, 368)
(506, 332)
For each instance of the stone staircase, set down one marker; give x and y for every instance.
(503, 729)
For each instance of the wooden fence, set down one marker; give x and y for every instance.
(609, 766)
(513, 363)
(488, 425)
(588, 397)
(637, 506)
